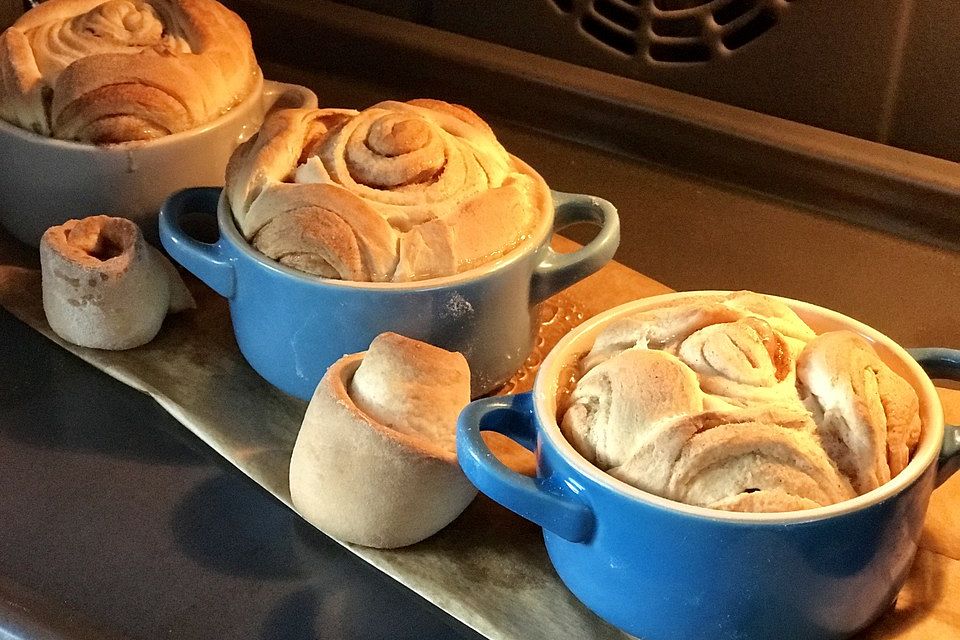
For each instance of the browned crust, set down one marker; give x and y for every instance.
(456, 110)
(482, 226)
(118, 97)
(273, 153)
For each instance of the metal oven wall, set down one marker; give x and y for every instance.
(883, 71)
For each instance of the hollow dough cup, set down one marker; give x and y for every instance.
(104, 287)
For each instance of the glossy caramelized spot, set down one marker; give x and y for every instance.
(779, 354)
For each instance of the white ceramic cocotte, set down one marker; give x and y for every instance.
(45, 181)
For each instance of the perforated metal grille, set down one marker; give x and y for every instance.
(673, 31)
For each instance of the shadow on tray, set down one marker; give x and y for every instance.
(60, 402)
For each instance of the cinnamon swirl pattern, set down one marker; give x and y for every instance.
(398, 192)
(733, 402)
(111, 71)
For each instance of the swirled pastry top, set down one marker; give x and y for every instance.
(110, 71)
(400, 191)
(733, 402)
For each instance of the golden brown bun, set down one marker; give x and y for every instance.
(732, 402)
(398, 192)
(109, 71)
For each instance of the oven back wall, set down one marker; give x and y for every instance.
(882, 71)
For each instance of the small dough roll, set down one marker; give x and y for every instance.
(104, 287)
(375, 460)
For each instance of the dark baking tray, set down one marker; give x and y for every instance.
(115, 523)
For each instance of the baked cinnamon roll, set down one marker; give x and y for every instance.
(397, 192)
(110, 71)
(732, 402)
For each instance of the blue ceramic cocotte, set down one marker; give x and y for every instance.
(662, 570)
(291, 326)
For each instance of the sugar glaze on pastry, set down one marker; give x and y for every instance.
(400, 191)
(110, 71)
(733, 402)
(104, 287)
(375, 459)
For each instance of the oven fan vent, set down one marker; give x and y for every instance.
(674, 31)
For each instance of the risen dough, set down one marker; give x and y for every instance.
(109, 71)
(400, 191)
(868, 415)
(703, 401)
(375, 460)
